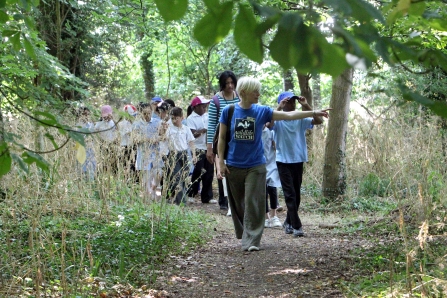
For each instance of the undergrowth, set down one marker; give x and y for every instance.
(71, 250)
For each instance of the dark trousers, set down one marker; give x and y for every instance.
(291, 176)
(128, 156)
(203, 172)
(273, 194)
(177, 176)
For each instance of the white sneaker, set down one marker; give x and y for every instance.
(253, 248)
(267, 223)
(275, 222)
(213, 201)
(229, 212)
(191, 200)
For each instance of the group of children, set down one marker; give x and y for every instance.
(156, 146)
(152, 145)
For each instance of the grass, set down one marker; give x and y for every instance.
(60, 233)
(128, 245)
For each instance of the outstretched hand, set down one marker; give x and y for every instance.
(322, 113)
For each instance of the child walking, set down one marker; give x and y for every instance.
(272, 178)
(180, 138)
(145, 133)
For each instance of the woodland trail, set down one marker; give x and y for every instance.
(312, 266)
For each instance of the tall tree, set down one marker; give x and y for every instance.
(334, 174)
(288, 80)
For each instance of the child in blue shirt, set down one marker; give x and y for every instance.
(291, 154)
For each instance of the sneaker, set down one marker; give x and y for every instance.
(287, 228)
(229, 212)
(279, 209)
(191, 200)
(275, 222)
(253, 248)
(298, 233)
(267, 223)
(213, 201)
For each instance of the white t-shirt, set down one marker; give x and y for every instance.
(197, 122)
(111, 134)
(179, 137)
(125, 129)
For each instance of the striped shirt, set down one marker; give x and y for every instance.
(213, 117)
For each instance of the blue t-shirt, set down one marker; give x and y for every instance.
(245, 147)
(290, 139)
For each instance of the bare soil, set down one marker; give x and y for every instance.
(312, 266)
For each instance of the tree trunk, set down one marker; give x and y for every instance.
(148, 74)
(316, 86)
(306, 91)
(334, 175)
(288, 80)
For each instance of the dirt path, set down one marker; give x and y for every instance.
(313, 266)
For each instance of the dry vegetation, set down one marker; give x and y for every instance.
(51, 224)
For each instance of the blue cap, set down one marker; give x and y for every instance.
(285, 95)
(156, 99)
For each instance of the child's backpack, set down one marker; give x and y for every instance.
(227, 137)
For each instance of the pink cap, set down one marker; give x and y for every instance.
(106, 110)
(199, 100)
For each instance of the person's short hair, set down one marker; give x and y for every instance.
(223, 79)
(142, 105)
(248, 84)
(164, 106)
(176, 112)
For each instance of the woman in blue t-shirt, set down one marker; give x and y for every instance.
(245, 164)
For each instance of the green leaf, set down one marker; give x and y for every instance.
(2, 3)
(438, 107)
(215, 25)
(7, 33)
(29, 21)
(333, 60)
(438, 24)
(265, 11)
(18, 16)
(78, 137)
(417, 9)
(403, 6)
(3, 16)
(364, 11)
(432, 58)
(51, 138)
(17, 159)
(245, 35)
(31, 157)
(15, 40)
(340, 5)
(210, 4)
(285, 47)
(172, 10)
(48, 118)
(29, 48)
(5, 159)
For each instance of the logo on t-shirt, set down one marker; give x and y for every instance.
(245, 129)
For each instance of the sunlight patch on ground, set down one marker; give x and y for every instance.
(291, 271)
